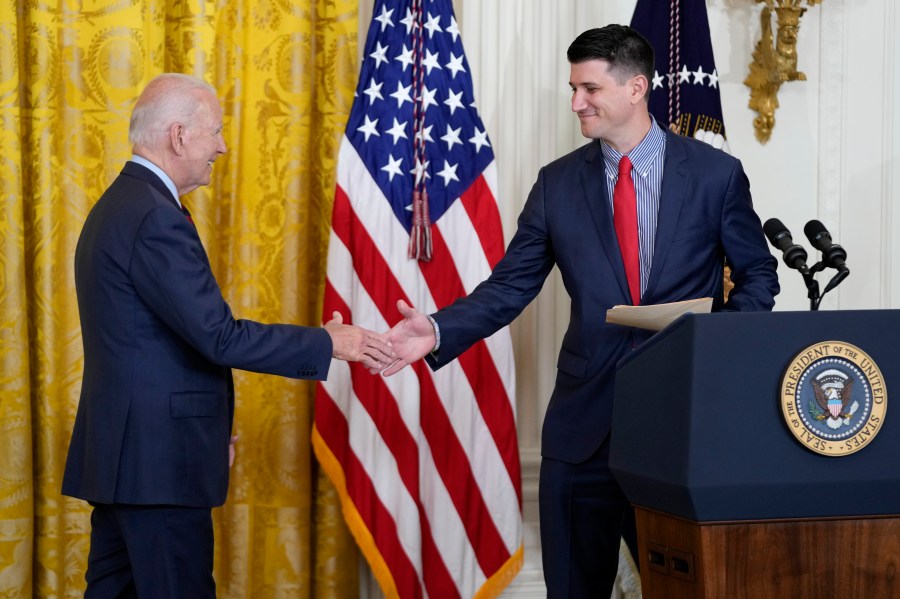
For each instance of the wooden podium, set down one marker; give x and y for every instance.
(800, 559)
(729, 504)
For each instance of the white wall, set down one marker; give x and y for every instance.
(832, 156)
(834, 147)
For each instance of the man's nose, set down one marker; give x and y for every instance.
(577, 101)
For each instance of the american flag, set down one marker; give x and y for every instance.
(684, 93)
(426, 463)
(685, 88)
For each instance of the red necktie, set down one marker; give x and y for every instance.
(625, 221)
(187, 214)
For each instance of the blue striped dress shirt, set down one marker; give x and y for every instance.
(647, 161)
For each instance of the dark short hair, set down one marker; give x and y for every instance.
(627, 51)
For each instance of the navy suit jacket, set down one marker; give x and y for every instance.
(157, 402)
(705, 215)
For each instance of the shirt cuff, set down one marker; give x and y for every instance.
(437, 333)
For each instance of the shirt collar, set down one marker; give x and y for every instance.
(159, 173)
(642, 156)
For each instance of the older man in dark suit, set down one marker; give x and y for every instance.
(150, 447)
(688, 211)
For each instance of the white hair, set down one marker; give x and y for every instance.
(168, 98)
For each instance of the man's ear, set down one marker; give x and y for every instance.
(176, 138)
(639, 88)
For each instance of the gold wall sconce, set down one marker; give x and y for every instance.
(774, 61)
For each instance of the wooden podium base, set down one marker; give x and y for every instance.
(855, 558)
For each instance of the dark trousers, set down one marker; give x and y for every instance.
(584, 514)
(151, 552)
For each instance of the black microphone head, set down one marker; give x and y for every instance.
(780, 237)
(777, 233)
(817, 234)
(833, 255)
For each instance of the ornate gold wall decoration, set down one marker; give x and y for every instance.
(774, 61)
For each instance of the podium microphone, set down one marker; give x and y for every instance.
(833, 255)
(780, 237)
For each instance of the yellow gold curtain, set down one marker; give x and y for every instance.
(69, 75)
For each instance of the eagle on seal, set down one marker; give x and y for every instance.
(833, 399)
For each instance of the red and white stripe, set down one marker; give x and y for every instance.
(426, 463)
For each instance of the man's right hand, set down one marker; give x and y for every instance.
(355, 344)
(411, 339)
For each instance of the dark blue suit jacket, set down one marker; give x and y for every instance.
(705, 215)
(157, 402)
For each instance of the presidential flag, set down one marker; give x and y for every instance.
(685, 88)
(426, 463)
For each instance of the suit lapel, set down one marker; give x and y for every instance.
(593, 181)
(671, 201)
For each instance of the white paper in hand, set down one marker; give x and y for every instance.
(656, 317)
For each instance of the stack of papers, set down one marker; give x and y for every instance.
(656, 317)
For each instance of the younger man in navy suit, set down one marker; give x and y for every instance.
(690, 214)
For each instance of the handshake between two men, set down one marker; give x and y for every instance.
(409, 340)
